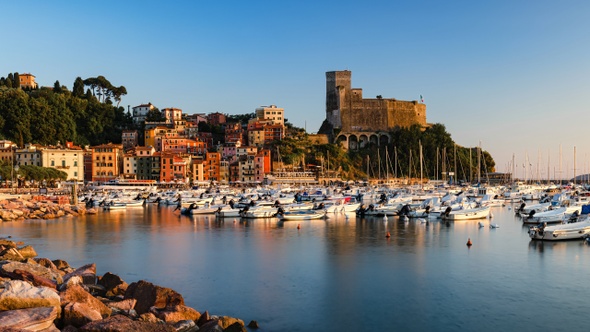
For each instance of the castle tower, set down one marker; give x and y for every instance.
(337, 87)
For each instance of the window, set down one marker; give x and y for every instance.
(75, 163)
(63, 163)
(53, 163)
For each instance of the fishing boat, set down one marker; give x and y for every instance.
(302, 215)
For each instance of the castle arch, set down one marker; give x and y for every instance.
(373, 139)
(383, 140)
(363, 141)
(353, 143)
(342, 141)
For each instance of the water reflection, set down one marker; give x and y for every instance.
(262, 269)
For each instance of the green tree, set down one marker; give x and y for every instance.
(78, 88)
(57, 87)
(16, 81)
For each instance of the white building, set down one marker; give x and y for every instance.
(140, 112)
(273, 113)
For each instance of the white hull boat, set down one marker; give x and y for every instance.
(575, 230)
(302, 215)
(467, 214)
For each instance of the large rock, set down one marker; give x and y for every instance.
(226, 321)
(77, 294)
(149, 295)
(11, 254)
(18, 294)
(124, 305)
(31, 319)
(7, 215)
(27, 252)
(35, 269)
(176, 313)
(79, 314)
(120, 323)
(7, 243)
(35, 280)
(113, 284)
(60, 264)
(87, 272)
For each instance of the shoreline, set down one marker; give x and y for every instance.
(39, 294)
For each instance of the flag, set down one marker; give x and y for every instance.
(421, 99)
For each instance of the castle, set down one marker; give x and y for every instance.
(354, 121)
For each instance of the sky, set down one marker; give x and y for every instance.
(509, 76)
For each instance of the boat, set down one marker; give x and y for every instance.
(302, 215)
(466, 214)
(574, 230)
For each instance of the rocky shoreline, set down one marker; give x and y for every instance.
(39, 294)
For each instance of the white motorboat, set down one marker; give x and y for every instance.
(466, 214)
(302, 215)
(575, 230)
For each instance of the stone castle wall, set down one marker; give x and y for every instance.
(347, 110)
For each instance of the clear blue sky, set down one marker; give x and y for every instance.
(512, 75)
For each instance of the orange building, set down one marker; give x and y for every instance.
(107, 162)
(27, 81)
(212, 166)
(178, 144)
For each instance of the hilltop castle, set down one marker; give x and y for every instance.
(354, 121)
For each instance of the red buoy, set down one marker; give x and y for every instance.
(469, 242)
(388, 235)
(298, 226)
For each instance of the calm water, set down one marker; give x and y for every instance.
(337, 274)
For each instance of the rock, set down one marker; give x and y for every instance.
(60, 264)
(69, 328)
(60, 213)
(226, 321)
(34, 279)
(211, 326)
(113, 284)
(253, 324)
(176, 313)
(77, 294)
(185, 325)
(7, 243)
(35, 269)
(235, 327)
(120, 323)
(149, 295)
(6, 215)
(31, 319)
(11, 254)
(123, 305)
(92, 211)
(87, 272)
(75, 280)
(79, 314)
(18, 294)
(46, 262)
(148, 317)
(203, 319)
(27, 252)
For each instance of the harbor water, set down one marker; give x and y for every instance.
(338, 274)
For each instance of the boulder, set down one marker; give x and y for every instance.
(35, 280)
(149, 295)
(11, 254)
(148, 317)
(6, 215)
(120, 323)
(124, 305)
(204, 319)
(27, 252)
(46, 262)
(185, 326)
(75, 280)
(34, 268)
(253, 324)
(226, 321)
(235, 327)
(113, 284)
(60, 264)
(31, 319)
(176, 313)
(87, 272)
(77, 294)
(7, 243)
(211, 326)
(79, 314)
(18, 294)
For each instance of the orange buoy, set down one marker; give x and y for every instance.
(388, 235)
(298, 226)
(469, 242)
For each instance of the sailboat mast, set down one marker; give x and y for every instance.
(420, 143)
(479, 163)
